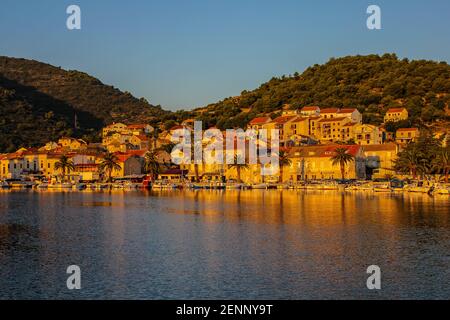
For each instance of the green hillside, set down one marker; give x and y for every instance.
(40, 102)
(370, 83)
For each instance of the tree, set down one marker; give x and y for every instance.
(408, 161)
(239, 165)
(342, 158)
(109, 163)
(151, 164)
(168, 147)
(418, 157)
(64, 164)
(283, 161)
(442, 163)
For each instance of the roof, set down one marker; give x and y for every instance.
(333, 119)
(394, 110)
(310, 108)
(137, 126)
(380, 147)
(142, 137)
(174, 172)
(407, 129)
(347, 110)
(260, 120)
(178, 127)
(329, 110)
(283, 119)
(325, 151)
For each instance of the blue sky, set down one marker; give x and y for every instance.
(188, 53)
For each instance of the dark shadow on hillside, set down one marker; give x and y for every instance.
(43, 103)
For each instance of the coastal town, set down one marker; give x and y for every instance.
(319, 147)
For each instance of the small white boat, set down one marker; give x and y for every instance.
(65, 185)
(234, 185)
(441, 189)
(419, 187)
(260, 186)
(21, 184)
(382, 187)
(164, 184)
(43, 185)
(4, 185)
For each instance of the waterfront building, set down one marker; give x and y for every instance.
(315, 163)
(380, 159)
(131, 163)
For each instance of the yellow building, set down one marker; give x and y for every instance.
(115, 128)
(396, 114)
(362, 134)
(310, 111)
(406, 135)
(314, 163)
(328, 113)
(72, 143)
(330, 129)
(380, 159)
(352, 113)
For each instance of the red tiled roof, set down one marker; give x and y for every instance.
(312, 108)
(329, 110)
(260, 120)
(177, 127)
(142, 137)
(347, 110)
(283, 119)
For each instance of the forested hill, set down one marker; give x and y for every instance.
(370, 83)
(40, 102)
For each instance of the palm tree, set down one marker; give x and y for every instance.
(155, 135)
(109, 163)
(151, 163)
(64, 164)
(408, 161)
(283, 161)
(342, 158)
(238, 166)
(442, 163)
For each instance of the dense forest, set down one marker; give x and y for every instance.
(40, 102)
(370, 83)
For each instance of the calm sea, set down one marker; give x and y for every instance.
(254, 244)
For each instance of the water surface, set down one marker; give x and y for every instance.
(254, 244)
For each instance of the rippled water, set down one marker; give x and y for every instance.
(224, 245)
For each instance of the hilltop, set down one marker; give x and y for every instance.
(372, 84)
(40, 102)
